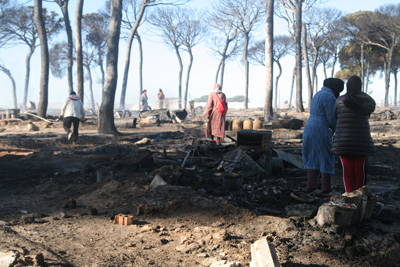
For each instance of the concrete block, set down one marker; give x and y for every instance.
(335, 213)
(7, 258)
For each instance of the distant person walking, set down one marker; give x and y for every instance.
(317, 137)
(353, 141)
(143, 101)
(73, 112)
(217, 106)
(161, 98)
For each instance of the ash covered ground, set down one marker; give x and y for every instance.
(51, 201)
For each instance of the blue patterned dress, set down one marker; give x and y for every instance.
(317, 135)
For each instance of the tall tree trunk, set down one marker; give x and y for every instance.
(367, 74)
(276, 83)
(180, 75)
(362, 67)
(132, 34)
(314, 71)
(126, 70)
(324, 66)
(269, 59)
(78, 43)
(387, 76)
(27, 74)
(307, 65)
(103, 75)
(246, 70)
(223, 62)
(90, 86)
(395, 88)
(297, 34)
(106, 120)
(188, 74)
(140, 64)
(218, 69)
(385, 71)
(291, 87)
(333, 65)
(64, 8)
(44, 50)
(8, 73)
(221, 80)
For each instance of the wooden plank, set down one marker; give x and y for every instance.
(264, 254)
(33, 115)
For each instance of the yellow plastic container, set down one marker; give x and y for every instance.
(237, 125)
(257, 124)
(248, 125)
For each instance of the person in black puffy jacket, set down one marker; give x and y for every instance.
(352, 140)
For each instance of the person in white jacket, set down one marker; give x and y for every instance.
(73, 113)
(143, 101)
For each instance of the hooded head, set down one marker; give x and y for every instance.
(335, 84)
(356, 100)
(217, 88)
(353, 84)
(73, 96)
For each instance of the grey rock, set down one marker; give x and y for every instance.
(63, 215)
(208, 261)
(71, 204)
(215, 247)
(93, 211)
(29, 218)
(164, 241)
(351, 252)
(218, 224)
(221, 235)
(188, 248)
(3, 223)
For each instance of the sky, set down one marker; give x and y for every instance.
(160, 66)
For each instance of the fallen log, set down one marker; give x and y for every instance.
(287, 134)
(163, 114)
(294, 124)
(128, 122)
(148, 122)
(33, 115)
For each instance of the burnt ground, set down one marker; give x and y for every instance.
(196, 221)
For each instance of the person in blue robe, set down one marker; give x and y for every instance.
(317, 136)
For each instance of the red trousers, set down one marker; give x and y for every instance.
(353, 172)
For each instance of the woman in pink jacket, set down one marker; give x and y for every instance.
(216, 121)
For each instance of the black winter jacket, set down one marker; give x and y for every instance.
(353, 136)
